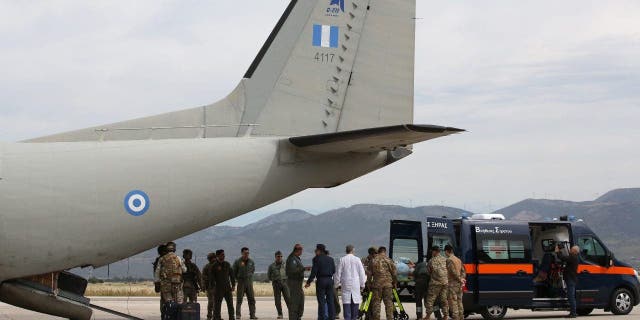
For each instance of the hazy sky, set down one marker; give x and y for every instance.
(549, 90)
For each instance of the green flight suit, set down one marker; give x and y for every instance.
(243, 271)
(295, 277)
(278, 277)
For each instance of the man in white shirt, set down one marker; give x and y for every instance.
(351, 277)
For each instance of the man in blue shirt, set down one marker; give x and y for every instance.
(323, 269)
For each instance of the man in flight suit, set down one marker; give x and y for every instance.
(208, 284)
(243, 270)
(295, 277)
(192, 278)
(278, 277)
(224, 283)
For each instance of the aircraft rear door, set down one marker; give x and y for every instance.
(504, 270)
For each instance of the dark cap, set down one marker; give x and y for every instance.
(435, 248)
(373, 250)
(278, 253)
(321, 247)
(448, 248)
(219, 252)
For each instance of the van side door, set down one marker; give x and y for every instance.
(504, 270)
(406, 248)
(594, 281)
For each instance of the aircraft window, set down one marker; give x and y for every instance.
(405, 250)
(592, 250)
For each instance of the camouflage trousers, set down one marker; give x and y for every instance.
(436, 292)
(171, 291)
(454, 298)
(382, 295)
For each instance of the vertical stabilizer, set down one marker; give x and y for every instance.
(334, 65)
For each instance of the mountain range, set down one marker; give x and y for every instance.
(613, 216)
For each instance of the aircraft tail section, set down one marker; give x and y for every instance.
(334, 65)
(327, 66)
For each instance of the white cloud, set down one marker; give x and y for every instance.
(549, 90)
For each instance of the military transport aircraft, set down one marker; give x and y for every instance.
(328, 98)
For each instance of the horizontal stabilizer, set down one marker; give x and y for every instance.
(372, 139)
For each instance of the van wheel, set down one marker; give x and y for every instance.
(494, 312)
(621, 301)
(584, 311)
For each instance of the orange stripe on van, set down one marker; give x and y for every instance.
(604, 270)
(498, 268)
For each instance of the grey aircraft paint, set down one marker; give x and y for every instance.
(328, 99)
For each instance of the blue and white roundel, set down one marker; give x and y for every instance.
(136, 203)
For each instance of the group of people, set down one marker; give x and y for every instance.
(180, 280)
(439, 280)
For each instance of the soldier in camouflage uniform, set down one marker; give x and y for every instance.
(295, 277)
(224, 283)
(192, 278)
(384, 273)
(208, 284)
(421, 278)
(457, 278)
(438, 283)
(162, 250)
(243, 270)
(278, 277)
(366, 261)
(367, 286)
(169, 271)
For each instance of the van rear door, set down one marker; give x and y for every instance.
(504, 270)
(406, 249)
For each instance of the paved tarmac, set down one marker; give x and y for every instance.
(148, 308)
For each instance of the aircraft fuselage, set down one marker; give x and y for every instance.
(64, 205)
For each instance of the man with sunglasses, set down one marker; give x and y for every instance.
(278, 277)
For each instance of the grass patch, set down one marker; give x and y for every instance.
(146, 289)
